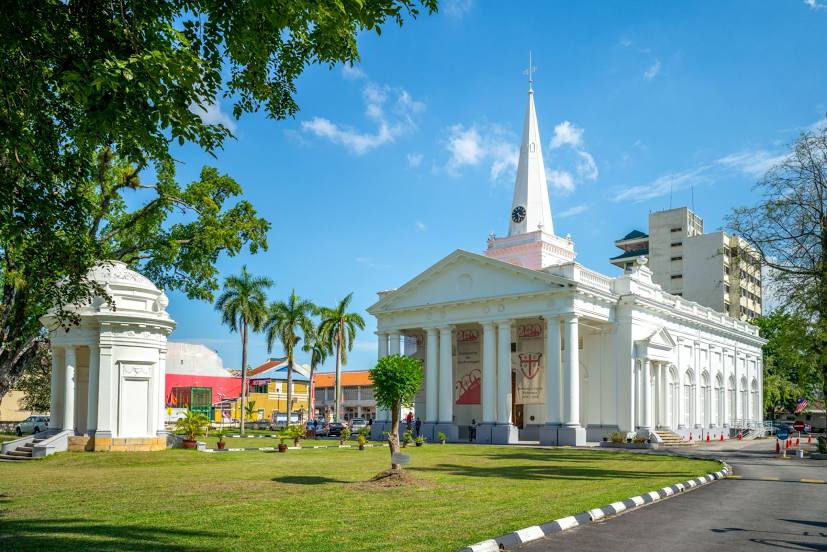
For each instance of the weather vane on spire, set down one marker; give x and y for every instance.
(531, 70)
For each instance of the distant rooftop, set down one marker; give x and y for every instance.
(630, 254)
(634, 234)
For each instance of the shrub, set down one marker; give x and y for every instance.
(420, 440)
(822, 445)
(638, 439)
(345, 434)
(362, 440)
(192, 425)
(617, 437)
(365, 431)
(407, 438)
(295, 432)
(441, 437)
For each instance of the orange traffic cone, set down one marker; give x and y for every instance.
(740, 435)
(707, 437)
(796, 441)
(789, 443)
(722, 437)
(809, 439)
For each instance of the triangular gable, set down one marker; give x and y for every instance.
(661, 339)
(658, 346)
(465, 276)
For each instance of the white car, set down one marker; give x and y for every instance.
(32, 424)
(356, 424)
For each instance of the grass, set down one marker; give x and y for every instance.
(311, 499)
(7, 437)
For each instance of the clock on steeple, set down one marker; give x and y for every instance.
(518, 214)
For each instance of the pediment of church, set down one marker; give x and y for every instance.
(658, 345)
(464, 276)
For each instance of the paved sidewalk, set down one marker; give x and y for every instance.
(775, 504)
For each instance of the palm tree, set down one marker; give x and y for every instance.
(284, 322)
(243, 307)
(338, 327)
(319, 349)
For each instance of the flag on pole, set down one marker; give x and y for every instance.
(801, 405)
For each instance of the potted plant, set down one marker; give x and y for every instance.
(441, 437)
(220, 434)
(365, 432)
(605, 439)
(345, 435)
(191, 426)
(283, 436)
(296, 432)
(361, 440)
(407, 438)
(420, 441)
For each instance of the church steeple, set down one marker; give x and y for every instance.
(530, 209)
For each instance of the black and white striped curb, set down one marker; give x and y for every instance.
(268, 449)
(510, 540)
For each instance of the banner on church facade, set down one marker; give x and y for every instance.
(468, 373)
(529, 364)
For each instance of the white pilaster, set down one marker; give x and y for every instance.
(489, 373)
(504, 372)
(160, 406)
(70, 365)
(431, 371)
(696, 411)
(105, 392)
(56, 415)
(646, 384)
(394, 343)
(571, 374)
(92, 392)
(446, 376)
(383, 344)
(638, 402)
(553, 375)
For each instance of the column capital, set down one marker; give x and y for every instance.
(487, 324)
(380, 332)
(445, 328)
(431, 330)
(506, 322)
(569, 317)
(397, 333)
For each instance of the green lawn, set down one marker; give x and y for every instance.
(7, 437)
(311, 499)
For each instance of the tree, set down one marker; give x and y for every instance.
(250, 410)
(338, 327)
(791, 369)
(788, 228)
(319, 349)
(243, 307)
(132, 78)
(285, 321)
(396, 380)
(36, 382)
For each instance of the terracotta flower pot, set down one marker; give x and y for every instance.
(282, 447)
(419, 444)
(361, 447)
(189, 444)
(221, 445)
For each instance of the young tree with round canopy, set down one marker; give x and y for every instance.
(396, 380)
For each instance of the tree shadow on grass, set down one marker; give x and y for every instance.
(305, 480)
(83, 534)
(544, 472)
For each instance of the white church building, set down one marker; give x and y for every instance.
(533, 346)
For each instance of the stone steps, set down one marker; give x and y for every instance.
(22, 452)
(669, 439)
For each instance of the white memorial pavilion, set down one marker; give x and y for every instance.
(534, 346)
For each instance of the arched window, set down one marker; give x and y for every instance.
(719, 400)
(743, 407)
(733, 415)
(704, 406)
(672, 400)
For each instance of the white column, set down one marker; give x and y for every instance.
(160, 406)
(55, 416)
(636, 369)
(92, 392)
(431, 371)
(394, 343)
(105, 392)
(571, 374)
(553, 374)
(696, 411)
(446, 376)
(489, 373)
(662, 392)
(383, 344)
(646, 382)
(504, 372)
(70, 365)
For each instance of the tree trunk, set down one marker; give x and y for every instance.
(289, 385)
(338, 405)
(393, 435)
(243, 412)
(311, 394)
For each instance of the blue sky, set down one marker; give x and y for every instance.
(395, 163)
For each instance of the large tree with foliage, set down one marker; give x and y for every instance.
(243, 308)
(788, 228)
(396, 380)
(338, 328)
(288, 321)
(87, 82)
(791, 369)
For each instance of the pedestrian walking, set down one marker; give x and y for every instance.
(472, 431)
(418, 425)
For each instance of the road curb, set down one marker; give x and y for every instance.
(528, 534)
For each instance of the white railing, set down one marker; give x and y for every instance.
(595, 279)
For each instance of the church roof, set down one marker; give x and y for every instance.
(629, 254)
(634, 234)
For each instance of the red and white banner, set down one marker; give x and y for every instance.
(468, 373)
(529, 364)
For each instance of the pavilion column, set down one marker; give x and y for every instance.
(431, 371)
(548, 433)
(662, 393)
(646, 395)
(69, 367)
(489, 383)
(446, 385)
(160, 395)
(92, 392)
(571, 433)
(55, 413)
(504, 431)
(696, 411)
(636, 380)
(104, 420)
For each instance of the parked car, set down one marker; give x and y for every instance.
(322, 428)
(32, 424)
(358, 423)
(334, 429)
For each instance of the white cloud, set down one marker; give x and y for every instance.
(414, 159)
(566, 134)
(653, 70)
(212, 114)
(456, 8)
(573, 211)
(752, 163)
(388, 126)
(815, 5)
(421, 226)
(562, 181)
(587, 168)
(663, 185)
(471, 146)
(352, 72)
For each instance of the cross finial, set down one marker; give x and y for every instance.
(531, 70)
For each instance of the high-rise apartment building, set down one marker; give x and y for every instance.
(715, 270)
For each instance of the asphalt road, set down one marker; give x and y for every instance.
(745, 512)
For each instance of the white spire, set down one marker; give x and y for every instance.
(530, 210)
